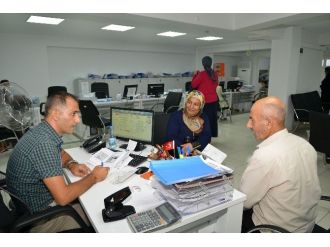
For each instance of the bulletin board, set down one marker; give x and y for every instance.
(219, 68)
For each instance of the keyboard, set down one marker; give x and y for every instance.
(137, 160)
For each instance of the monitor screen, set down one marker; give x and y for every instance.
(134, 124)
(234, 85)
(155, 89)
(130, 90)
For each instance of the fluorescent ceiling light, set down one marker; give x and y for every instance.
(44, 20)
(119, 28)
(171, 34)
(210, 38)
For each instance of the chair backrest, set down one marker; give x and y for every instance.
(6, 215)
(160, 127)
(319, 136)
(101, 89)
(55, 89)
(51, 90)
(172, 102)
(188, 87)
(303, 103)
(90, 116)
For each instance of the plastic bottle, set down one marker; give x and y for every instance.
(112, 139)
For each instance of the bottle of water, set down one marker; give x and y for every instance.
(112, 139)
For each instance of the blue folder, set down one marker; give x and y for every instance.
(181, 170)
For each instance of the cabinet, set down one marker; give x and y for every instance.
(117, 85)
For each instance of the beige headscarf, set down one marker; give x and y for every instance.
(194, 123)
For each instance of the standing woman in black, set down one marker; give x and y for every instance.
(207, 82)
(325, 90)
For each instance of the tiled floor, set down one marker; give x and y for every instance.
(238, 143)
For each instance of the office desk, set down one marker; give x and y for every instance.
(226, 217)
(240, 101)
(145, 103)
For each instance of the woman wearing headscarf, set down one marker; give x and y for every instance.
(190, 127)
(206, 82)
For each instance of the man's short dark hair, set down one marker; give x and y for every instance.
(58, 99)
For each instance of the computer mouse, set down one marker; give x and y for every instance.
(141, 170)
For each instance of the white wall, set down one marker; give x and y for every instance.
(37, 62)
(310, 71)
(230, 65)
(257, 59)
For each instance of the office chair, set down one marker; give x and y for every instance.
(319, 136)
(101, 89)
(223, 107)
(91, 117)
(160, 127)
(171, 103)
(13, 220)
(187, 86)
(51, 90)
(302, 104)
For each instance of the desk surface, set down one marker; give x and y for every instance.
(127, 101)
(143, 197)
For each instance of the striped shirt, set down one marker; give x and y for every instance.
(35, 157)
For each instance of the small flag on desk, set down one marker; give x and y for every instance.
(168, 145)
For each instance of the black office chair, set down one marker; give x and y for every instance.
(303, 104)
(160, 127)
(187, 86)
(171, 103)
(17, 217)
(51, 90)
(91, 117)
(319, 135)
(101, 89)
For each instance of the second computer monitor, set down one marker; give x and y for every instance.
(155, 89)
(130, 90)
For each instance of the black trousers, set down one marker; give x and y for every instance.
(210, 109)
(326, 107)
(247, 222)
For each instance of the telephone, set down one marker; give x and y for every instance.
(94, 144)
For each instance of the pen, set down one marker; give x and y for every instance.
(188, 150)
(102, 163)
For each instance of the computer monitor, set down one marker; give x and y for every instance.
(130, 90)
(234, 85)
(155, 89)
(222, 84)
(134, 124)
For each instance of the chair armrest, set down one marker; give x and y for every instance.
(301, 110)
(268, 228)
(2, 179)
(172, 107)
(29, 220)
(152, 108)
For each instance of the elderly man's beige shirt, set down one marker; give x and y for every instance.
(281, 183)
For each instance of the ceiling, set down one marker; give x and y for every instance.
(233, 27)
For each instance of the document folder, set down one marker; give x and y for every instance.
(181, 170)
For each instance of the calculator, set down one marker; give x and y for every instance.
(154, 219)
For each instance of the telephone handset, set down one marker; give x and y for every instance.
(94, 144)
